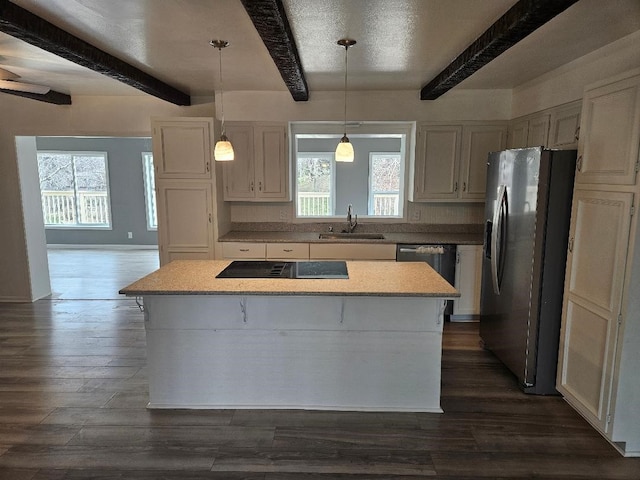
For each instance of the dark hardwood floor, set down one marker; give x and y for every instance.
(73, 393)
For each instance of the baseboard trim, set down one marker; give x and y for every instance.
(69, 246)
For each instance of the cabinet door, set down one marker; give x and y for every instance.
(239, 174)
(437, 162)
(610, 134)
(468, 279)
(565, 125)
(271, 162)
(477, 142)
(185, 220)
(538, 131)
(598, 244)
(182, 148)
(518, 134)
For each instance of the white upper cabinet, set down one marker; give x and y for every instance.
(437, 162)
(565, 127)
(477, 142)
(609, 134)
(260, 171)
(531, 131)
(451, 161)
(182, 147)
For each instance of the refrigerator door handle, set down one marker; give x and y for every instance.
(497, 240)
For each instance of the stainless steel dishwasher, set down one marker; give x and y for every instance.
(442, 257)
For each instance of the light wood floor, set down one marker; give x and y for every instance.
(73, 391)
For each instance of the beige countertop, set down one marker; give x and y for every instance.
(386, 278)
(313, 237)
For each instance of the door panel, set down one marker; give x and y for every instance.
(598, 243)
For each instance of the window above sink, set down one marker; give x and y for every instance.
(374, 183)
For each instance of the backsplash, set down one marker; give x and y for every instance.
(418, 214)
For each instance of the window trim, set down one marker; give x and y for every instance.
(80, 153)
(149, 188)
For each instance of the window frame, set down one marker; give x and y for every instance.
(150, 197)
(73, 154)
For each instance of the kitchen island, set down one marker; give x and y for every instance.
(369, 342)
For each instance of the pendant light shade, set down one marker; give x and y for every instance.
(223, 151)
(344, 150)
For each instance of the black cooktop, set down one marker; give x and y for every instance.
(271, 269)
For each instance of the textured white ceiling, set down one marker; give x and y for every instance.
(402, 44)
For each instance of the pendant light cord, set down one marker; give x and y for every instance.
(221, 90)
(346, 65)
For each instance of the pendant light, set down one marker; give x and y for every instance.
(344, 150)
(223, 151)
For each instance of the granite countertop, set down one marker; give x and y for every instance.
(389, 237)
(380, 278)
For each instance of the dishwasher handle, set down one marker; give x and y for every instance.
(423, 250)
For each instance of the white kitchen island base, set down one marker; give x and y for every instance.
(326, 352)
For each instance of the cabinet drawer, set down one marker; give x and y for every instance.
(256, 251)
(277, 251)
(352, 251)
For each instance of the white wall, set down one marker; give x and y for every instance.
(567, 83)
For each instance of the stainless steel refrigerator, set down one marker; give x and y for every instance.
(527, 214)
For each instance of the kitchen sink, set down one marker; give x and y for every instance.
(353, 236)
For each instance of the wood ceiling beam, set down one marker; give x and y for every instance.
(519, 21)
(30, 28)
(57, 98)
(270, 20)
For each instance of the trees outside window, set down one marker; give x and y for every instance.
(315, 177)
(384, 184)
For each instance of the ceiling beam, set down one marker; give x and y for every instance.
(270, 20)
(519, 21)
(51, 96)
(30, 28)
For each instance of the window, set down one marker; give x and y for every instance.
(74, 189)
(374, 184)
(315, 184)
(149, 190)
(384, 184)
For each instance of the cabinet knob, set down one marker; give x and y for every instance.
(252, 186)
(464, 186)
(455, 187)
(260, 186)
(579, 163)
(571, 245)
(577, 135)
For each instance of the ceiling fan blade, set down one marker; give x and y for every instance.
(23, 87)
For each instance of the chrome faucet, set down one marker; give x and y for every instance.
(351, 225)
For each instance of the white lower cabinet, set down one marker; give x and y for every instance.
(185, 226)
(468, 278)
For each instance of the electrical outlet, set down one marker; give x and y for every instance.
(129, 235)
(415, 215)
(283, 214)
